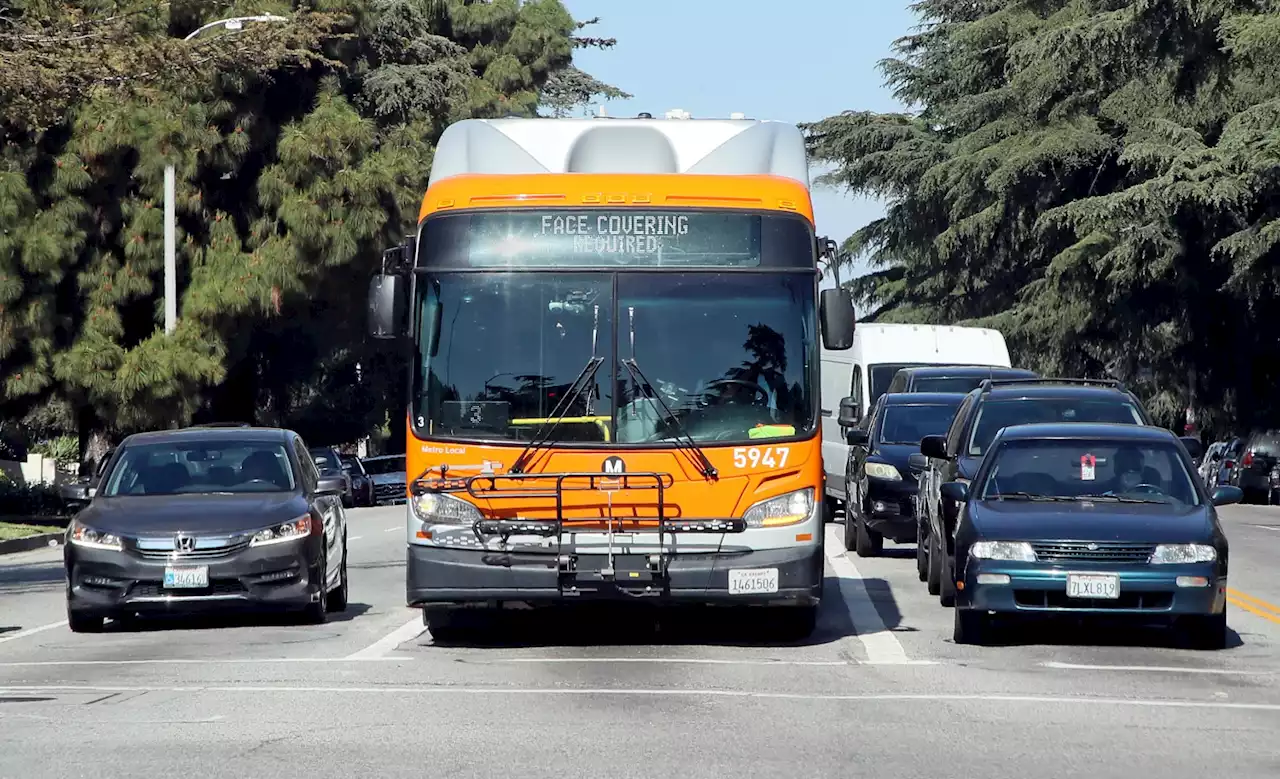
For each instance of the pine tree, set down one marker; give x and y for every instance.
(1089, 177)
(301, 150)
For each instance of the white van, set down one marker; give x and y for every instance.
(879, 351)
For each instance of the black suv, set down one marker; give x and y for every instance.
(952, 378)
(995, 405)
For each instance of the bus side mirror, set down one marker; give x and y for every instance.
(386, 306)
(835, 311)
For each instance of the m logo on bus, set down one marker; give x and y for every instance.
(614, 465)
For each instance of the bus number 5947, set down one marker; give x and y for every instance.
(755, 456)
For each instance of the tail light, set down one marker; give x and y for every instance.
(1248, 459)
(1230, 463)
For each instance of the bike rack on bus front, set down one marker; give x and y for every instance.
(639, 575)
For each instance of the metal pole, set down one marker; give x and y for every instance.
(170, 185)
(170, 252)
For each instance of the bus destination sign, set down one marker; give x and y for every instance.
(614, 237)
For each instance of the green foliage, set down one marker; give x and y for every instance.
(1093, 177)
(63, 450)
(301, 149)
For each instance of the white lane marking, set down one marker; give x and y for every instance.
(402, 658)
(31, 631)
(883, 647)
(1268, 527)
(354, 538)
(199, 661)
(1169, 669)
(393, 529)
(383, 646)
(1154, 703)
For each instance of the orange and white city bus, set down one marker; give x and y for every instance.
(614, 330)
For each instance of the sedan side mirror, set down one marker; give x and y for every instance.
(856, 437)
(918, 463)
(955, 491)
(331, 485)
(934, 446)
(1227, 495)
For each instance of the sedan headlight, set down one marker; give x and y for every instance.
(87, 537)
(789, 509)
(440, 509)
(1012, 551)
(1173, 554)
(288, 531)
(883, 471)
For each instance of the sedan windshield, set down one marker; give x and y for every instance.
(381, 465)
(187, 467)
(993, 415)
(908, 424)
(1095, 470)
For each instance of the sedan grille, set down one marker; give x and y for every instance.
(389, 490)
(1093, 552)
(205, 548)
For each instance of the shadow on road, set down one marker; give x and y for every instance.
(31, 577)
(615, 623)
(230, 619)
(1096, 633)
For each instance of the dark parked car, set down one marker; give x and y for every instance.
(329, 462)
(361, 482)
(1252, 470)
(957, 455)
(1103, 520)
(952, 378)
(203, 518)
(880, 485)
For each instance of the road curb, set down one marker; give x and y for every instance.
(39, 541)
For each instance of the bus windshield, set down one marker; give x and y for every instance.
(732, 356)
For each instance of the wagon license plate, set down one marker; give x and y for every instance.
(186, 578)
(753, 581)
(1093, 586)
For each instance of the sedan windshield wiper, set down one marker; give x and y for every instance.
(1029, 496)
(1118, 499)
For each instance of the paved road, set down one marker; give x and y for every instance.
(880, 690)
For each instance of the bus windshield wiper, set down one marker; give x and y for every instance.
(683, 441)
(542, 436)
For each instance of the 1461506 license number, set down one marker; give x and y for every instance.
(753, 581)
(756, 456)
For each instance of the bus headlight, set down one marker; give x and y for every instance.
(789, 509)
(440, 509)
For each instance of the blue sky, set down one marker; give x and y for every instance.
(714, 57)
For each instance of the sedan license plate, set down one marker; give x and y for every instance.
(753, 581)
(1093, 586)
(192, 577)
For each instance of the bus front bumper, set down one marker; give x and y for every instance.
(439, 575)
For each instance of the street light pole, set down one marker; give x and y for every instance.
(170, 186)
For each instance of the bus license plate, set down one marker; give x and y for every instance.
(1093, 586)
(194, 577)
(753, 581)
